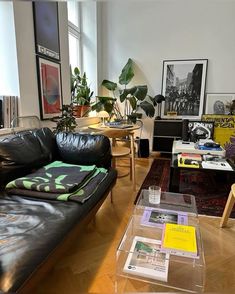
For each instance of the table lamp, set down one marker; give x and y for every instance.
(158, 99)
(103, 114)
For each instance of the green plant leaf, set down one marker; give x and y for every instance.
(123, 94)
(76, 71)
(127, 73)
(104, 103)
(148, 108)
(109, 85)
(141, 92)
(133, 102)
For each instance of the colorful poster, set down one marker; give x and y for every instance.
(224, 131)
(50, 88)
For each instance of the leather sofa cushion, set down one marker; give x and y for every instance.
(27, 148)
(84, 149)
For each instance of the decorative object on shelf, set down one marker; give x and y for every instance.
(159, 99)
(133, 98)
(103, 114)
(183, 85)
(67, 121)
(46, 29)
(80, 93)
(220, 103)
(200, 130)
(49, 82)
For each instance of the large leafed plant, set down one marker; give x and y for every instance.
(134, 98)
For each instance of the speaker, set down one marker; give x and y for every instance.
(143, 148)
(185, 130)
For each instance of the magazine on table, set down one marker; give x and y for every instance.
(221, 164)
(189, 160)
(156, 218)
(145, 259)
(179, 240)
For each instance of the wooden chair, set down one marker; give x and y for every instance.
(228, 207)
(119, 150)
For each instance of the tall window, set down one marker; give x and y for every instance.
(74, 33)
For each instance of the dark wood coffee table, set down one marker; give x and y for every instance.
(175, 173)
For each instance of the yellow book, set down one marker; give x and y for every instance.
(185, 162)
(179, 240)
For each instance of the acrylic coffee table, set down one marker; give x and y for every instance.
(184, 273)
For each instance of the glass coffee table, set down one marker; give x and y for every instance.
(140, 271)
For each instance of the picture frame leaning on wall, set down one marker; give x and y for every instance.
(46, 29)
(49, 85)
(183, 86)
(218, 103)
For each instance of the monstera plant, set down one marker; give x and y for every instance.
(134, 98)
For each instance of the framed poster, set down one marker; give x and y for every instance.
(183, 86)
(224, 131)
(46, 28)
(219, 103)
(49, 82)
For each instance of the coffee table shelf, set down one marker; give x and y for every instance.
(184, 273)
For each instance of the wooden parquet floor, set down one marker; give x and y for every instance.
(89, 266)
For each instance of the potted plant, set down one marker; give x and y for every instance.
(80, 93)
(134, 98)
(67, 122)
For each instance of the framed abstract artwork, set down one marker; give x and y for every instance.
(49, 82)
(219, 103)
(46, 28)
(183, 86)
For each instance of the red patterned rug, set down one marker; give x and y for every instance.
(210, 190)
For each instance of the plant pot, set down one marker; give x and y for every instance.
(81, 110)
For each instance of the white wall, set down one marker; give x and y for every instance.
(152, 31)
(29, 100)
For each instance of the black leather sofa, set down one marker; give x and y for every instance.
(34, 233)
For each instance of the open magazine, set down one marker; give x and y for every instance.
(156, 218)
(144, 259)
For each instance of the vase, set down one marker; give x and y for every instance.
(81, 110)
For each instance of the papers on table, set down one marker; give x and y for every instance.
(221, 165)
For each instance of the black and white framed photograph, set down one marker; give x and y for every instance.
(220, 103)
(46, 28)
(183, 85)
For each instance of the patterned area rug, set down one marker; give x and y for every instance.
(210, 190)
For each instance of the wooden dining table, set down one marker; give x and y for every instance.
(131, 128)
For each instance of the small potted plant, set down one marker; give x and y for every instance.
(67, 122)
(80, 93)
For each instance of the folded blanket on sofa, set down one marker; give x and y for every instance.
(56, 177)
(59, 181)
